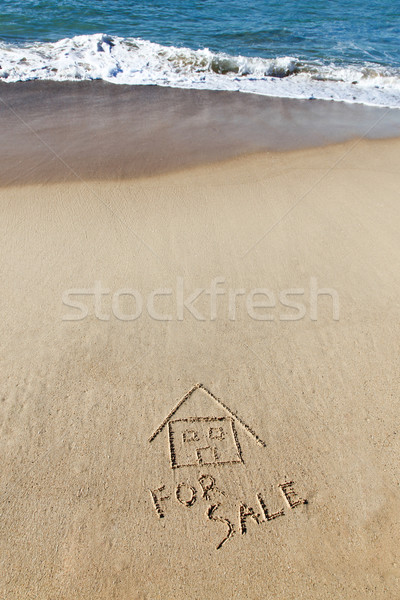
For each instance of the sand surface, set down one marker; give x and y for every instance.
(312, 401)
(60, 131)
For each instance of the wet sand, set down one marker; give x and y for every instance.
(278, 477)
(94, 130)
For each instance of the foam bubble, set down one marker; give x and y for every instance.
(139, 62)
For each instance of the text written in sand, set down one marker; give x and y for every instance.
(205, 488)
(204, 443)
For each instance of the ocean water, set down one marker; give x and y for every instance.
(345, 50)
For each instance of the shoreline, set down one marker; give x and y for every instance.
(200, 258)
(55, 132)
(138, 61)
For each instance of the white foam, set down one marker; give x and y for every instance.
(140, 62)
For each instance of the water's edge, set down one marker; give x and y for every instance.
(54, 131)
(134, 61)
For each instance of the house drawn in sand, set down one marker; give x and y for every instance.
(209, 440)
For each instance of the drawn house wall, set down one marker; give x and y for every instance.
(210, 440)
(203, 441)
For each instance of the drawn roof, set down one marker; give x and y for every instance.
(198, 386)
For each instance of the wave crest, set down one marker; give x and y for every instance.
(135, 61)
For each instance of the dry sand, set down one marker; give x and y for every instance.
(313, 402)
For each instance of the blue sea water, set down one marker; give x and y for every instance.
(229, 44)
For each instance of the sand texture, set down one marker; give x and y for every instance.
(216, 454)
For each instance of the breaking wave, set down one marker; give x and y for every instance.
(136, 61)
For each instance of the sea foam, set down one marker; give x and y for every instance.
(136, 61)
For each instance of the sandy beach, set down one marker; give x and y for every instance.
(92, 130)
(200, 374)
